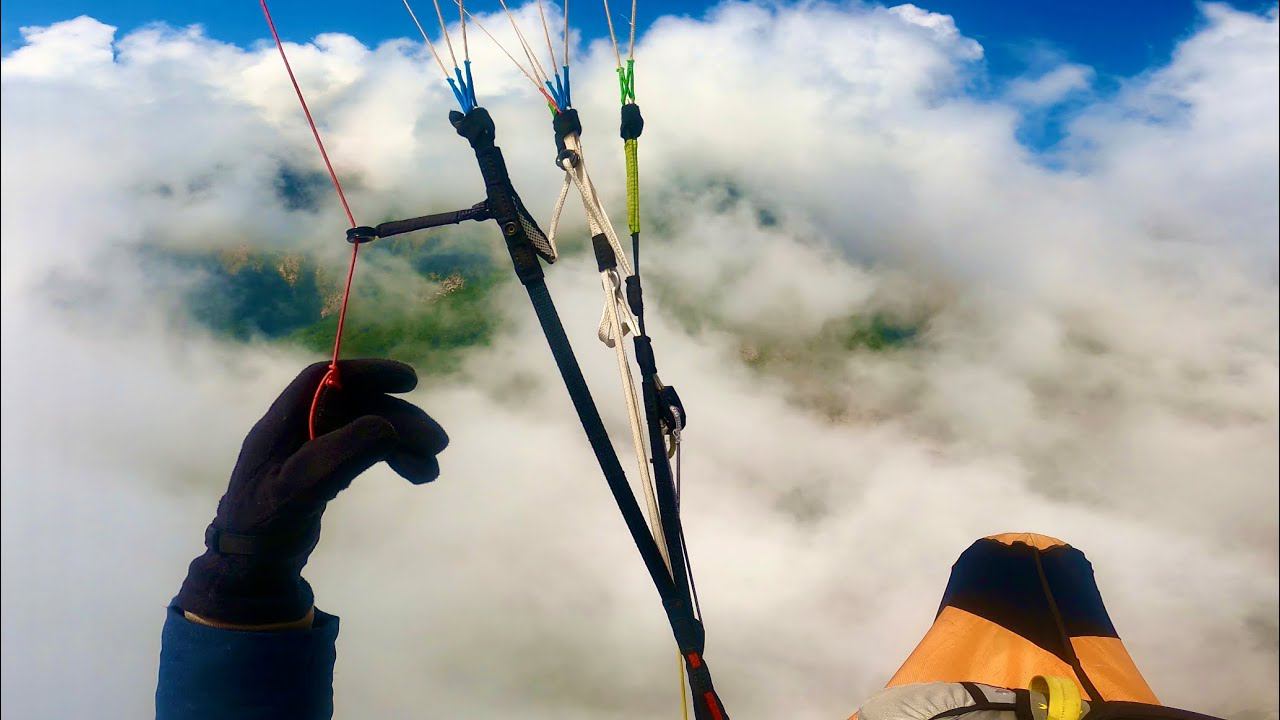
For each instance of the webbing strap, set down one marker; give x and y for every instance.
(585, 406)
(630, 128)
(478, 128)
(686, 628)
(663, 480)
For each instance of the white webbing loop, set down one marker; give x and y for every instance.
(555, 212)
(609, 281)
(617, 320)
(597, 216)
(598, 223)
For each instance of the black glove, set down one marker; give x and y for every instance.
(268, 521)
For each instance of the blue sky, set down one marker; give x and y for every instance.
(1118, 37)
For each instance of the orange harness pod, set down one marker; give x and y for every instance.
(1021, 611)
(1020, 605)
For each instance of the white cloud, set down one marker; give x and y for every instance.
(1052, 87)
(1098, 359)
(64, 50)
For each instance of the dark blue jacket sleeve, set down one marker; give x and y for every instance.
(207, 673)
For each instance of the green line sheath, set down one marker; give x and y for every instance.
(633, 186)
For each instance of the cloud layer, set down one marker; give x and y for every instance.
(1095, 357)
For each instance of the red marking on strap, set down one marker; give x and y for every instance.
(330, 378)
(713, 704)
(694, 660)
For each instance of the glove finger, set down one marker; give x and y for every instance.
(369, 375)
(376, 375)
(355, 380)
(324, 467)
(419, 437)
(414, 468)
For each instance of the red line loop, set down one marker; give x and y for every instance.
(331, 377)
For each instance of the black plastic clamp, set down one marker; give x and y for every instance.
(361, 234)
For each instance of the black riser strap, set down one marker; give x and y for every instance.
(684, 626)
(503, 206)
(664, 486)
(598, 436)
(501, 203)
(496, 182)
(706, 702)
(663, 481)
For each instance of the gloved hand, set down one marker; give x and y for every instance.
(268, 522)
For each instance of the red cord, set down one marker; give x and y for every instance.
(330, 378)
(551, 103)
